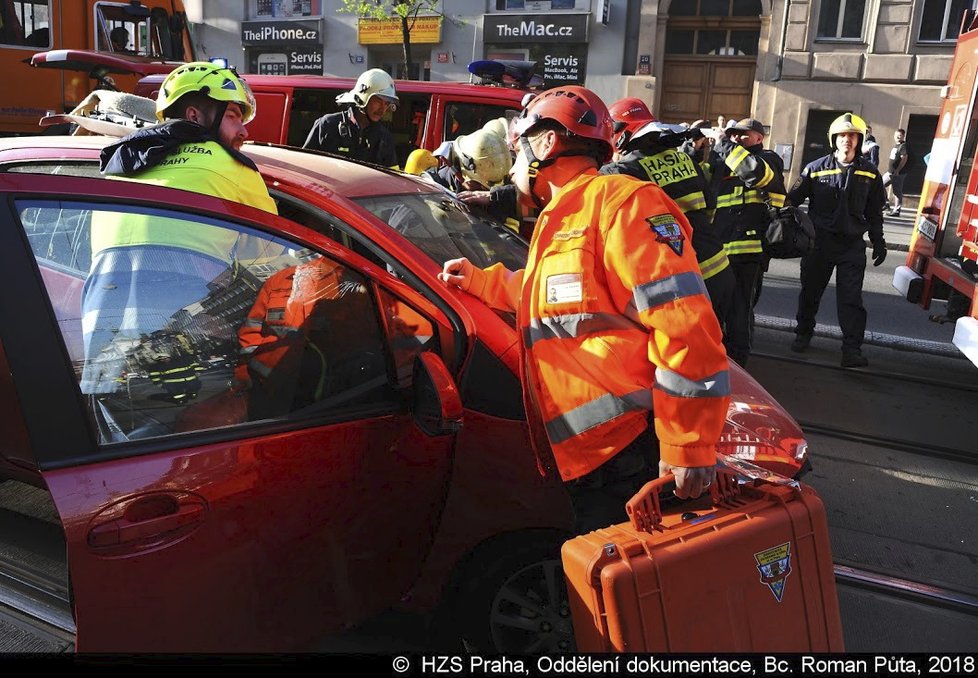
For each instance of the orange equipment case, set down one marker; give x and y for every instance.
(751, 574)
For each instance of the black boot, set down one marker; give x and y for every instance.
(854, 358)
(801, 342)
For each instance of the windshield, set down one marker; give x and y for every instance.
(444, 229)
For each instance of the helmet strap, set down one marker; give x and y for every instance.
(535, 164)
(215, 127)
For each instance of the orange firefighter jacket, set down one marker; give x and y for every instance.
(283, 316)
(615, 321)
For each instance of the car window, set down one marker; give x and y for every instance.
(189, 323)
(444, 229)
(465, 117)
(85, 168)
(406, 122)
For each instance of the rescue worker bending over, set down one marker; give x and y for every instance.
(501, 202)
(648, 151)
(357, 131)
(145, 269)
(614, 315)
(745, 178)
(845, 200)
(478, 162)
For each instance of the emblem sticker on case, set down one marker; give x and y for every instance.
(774, 564)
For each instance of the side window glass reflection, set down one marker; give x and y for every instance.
(177, 323)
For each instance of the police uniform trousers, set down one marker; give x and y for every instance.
(847, 256)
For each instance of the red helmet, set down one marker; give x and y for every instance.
(579, 110)
(630, 114)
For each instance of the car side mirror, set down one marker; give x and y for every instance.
(437, 403)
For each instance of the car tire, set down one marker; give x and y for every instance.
(514, 601)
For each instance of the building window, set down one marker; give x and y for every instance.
(941, 20)
(841, 19)
(731, 28)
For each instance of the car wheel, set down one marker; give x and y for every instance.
(516, 603)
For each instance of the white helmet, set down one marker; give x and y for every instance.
(483, 157)
(498, 126)
(655, 129)
(372, 83)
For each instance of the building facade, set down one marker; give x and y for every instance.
(794, 64)
(573, 41)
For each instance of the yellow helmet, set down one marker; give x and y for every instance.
(216, 82)
(847, 122)
(421, 159)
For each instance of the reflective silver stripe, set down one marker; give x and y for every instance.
(283, 330)
(247, 350)
(677, 385)
(599, 411)
(658, 292)
(252, 322)
(573, 325)
(261, 368)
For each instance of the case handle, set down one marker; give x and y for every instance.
(645, 510)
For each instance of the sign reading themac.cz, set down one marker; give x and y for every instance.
(259, 33)
(500, 28)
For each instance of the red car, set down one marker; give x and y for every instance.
(168, 510)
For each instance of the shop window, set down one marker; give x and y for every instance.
(287, 8)
(510, 5)
(941, 20)
(841, 19)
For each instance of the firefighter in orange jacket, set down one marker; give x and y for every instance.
(616, 325)
(282, 356)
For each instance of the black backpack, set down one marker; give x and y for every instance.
(790, 233)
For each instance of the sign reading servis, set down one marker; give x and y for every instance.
(503, 28)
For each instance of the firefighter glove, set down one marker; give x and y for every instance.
(879, 252)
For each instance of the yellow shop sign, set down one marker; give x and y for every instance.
(426, 29)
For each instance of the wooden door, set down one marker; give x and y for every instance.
(705, 88)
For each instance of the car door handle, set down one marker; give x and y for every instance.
(123, 531)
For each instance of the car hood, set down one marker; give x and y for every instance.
(86, 61)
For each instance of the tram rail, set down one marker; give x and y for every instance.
(918, 592)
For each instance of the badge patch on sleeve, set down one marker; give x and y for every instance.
(667, 231)
(564, 288)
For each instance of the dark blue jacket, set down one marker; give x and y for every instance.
(844, 201)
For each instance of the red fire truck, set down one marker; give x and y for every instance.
(942, 262)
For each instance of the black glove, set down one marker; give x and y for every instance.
(879, 252)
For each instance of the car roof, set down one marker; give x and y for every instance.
(262, 81)
(295, 166)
